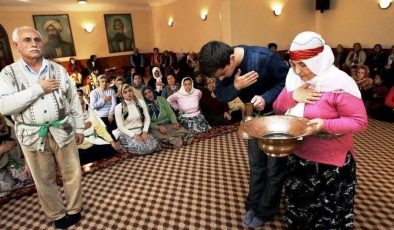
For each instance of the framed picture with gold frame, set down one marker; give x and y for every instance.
(119, 30)
(56, 34)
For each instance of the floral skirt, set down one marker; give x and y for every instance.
(12, 176)
(130, 145)
(196, 124)
(320, 196)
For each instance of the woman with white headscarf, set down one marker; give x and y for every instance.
(158, 80)
(322, 171)
(186, 101)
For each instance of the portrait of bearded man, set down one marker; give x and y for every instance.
(55, 46)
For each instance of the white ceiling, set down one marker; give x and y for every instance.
(72, 5)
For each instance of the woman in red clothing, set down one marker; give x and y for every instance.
(322, 171)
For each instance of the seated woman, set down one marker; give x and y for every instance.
(13, 170)
(164, 125)
(156, 82)
(133, 120)
(186, 100)
(215, 111)
(97, 144)
(364, 82)
(171, 87)
(103, 102)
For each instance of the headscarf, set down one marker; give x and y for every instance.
(125, 110)
(182, 90)
(310, 48)
(158, 79)
(136, 86)
(153, 106)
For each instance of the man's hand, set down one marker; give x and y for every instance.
(49, 85)
(258, 102)
(79, 138)
(306, 94)
(241, 82)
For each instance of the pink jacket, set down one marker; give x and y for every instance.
(342, 113)
(188, 105)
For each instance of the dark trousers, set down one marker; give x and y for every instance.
(267, 175)
(95, 153)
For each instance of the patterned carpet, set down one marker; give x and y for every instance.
(203, 186)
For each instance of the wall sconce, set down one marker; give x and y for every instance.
(277, 10)
(204, 15)
(82, 2)
(384, 4)
(170, 22)
(88, 27)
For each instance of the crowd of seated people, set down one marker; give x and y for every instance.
(372, 71)
(191, 96)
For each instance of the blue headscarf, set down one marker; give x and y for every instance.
(153, 106)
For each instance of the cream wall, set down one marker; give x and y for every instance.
(189, 32)
(87, 43)
(253, 22)
(361, 21)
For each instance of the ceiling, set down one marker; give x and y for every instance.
(71, 5)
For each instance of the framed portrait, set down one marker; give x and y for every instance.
(119, 30)
(56, 35)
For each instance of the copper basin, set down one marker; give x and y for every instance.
(277, 135)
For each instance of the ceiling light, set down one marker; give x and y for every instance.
(384, 4)
(82, 2)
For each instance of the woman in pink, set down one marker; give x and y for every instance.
(186, 101)
(322, 171)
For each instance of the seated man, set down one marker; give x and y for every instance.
(215, 111)
(97, 144)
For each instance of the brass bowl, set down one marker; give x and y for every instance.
(277, 135)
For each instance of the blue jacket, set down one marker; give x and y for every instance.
(272, 72)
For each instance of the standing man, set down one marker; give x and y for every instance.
(137, 61)
(49, 124)
(56, 46)
(263, 77)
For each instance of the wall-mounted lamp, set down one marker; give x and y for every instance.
(82, 2)
(277, 10)
(170, 22)
(384, 4)
(204, 15)
(88, 27)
